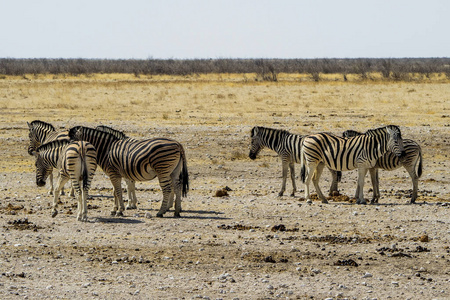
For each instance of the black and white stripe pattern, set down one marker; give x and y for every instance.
(344, 154)
(287, 146)
(131, 185)
(412, 162)
(76, 161)
(40, 133)
(139, 160)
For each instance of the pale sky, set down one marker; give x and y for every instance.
(180, 29)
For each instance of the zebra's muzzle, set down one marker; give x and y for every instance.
(402, 154)
(252, 155)
(40, 182)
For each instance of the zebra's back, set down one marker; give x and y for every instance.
(139, 159)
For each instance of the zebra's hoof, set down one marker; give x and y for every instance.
(159, 215)
(309, 201)
(324, 201)
(131, 207)
(113, 213)
(54, 213)
(177, 215)
(280, 194)
(293, 195)
(119, 214)
(62, 193)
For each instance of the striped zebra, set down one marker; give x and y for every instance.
(344, 154)
(76, 161)
(287, 146)
(412, 162)
(40, 133)
(139, 160)
(131, 186)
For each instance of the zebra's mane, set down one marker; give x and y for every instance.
(265, 129)
(351, 133)
(44, 124)
(112, 131)
(53, 145)
(384, 128)
(88, 131)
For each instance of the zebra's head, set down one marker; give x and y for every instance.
(35, 140)
(43, 169)
(76, 133)
(256, 143)
(395, 142)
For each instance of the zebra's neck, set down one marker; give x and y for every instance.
(51, 156)
(379, 137)
(274, 139)
(102, 142)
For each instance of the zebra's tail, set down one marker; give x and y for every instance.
(184, 175)
(85, 175)
(419, 169)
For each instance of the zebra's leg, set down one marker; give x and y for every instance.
(334, 182)
(415, 181)
(50, 180)
(284, 166)
(177, 187)
(310, 168)
(82, 206)
(315, 181)
(61, 181)
(72, 191)
(360, 189)
(167, 190)
(131, 191)
(294, 186)
(118, 200)
(375, 185)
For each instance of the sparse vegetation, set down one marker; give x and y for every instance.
(265, 69)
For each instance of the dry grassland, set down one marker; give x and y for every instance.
(227, 247)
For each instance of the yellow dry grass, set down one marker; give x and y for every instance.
(226, 98)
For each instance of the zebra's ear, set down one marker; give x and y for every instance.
(29, 126)
(254, 131)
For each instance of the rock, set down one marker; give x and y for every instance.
(424, 238)
(367, 275)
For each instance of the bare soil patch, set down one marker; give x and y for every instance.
(249, 243)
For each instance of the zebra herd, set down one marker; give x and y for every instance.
(381, 148)
(117, 155)
(77, 152)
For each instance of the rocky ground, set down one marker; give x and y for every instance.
(246, 244)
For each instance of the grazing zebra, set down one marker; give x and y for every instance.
(139, 160)
(287, 146)
(40, 133)
(344, 154)
(76, 161)
(131, 187)
(389, 161)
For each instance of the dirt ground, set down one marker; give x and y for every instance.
(249, 244)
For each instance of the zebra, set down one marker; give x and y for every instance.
(76, 161)
(344, 154)
(287, 146)
(412, 162)
(41, 132)
(139, 160)
(131, 186)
